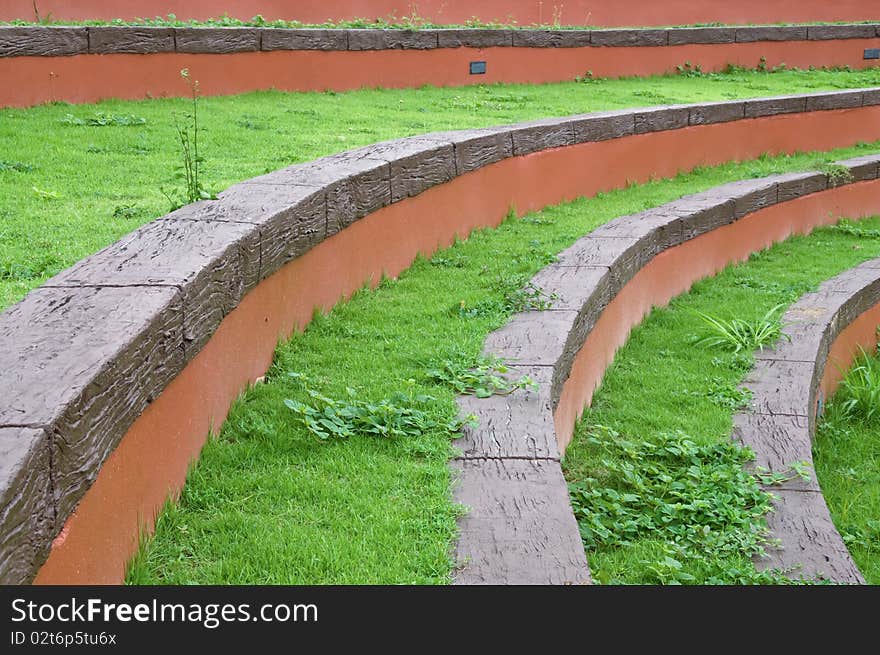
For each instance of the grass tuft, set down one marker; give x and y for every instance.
(738, 334)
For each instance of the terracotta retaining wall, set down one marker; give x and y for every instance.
(790, 383)
(520, 528)
(118, 367)
(524, 12)
(86, 64)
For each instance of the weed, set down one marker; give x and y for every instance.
(739, 334)
(837, 174)
(689, 70)
(124, 212)
(191, 159)
(248, 123)
(724, 395)
(15, 272)
(449, 260)
(696, 500)
(17, 166)
(44, 193)
(100, 119)
(537, 220)
(491, 307)
(586, 77)
(479, 378)
(516, 296)
(851, 229)
(401, 415)
(528, 298)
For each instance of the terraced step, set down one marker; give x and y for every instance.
(605, 284)
(128, 359)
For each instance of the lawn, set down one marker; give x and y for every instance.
(270, 502)
(75, 178)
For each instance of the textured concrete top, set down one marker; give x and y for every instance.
(781, 421)
(521, 528)
(85, 353)
(65, 41)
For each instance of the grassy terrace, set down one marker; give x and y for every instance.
(76, 178)
(847, 457)
(665, 391)
(270, 502)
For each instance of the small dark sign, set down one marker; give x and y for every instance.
(870, 53)
(478, 68)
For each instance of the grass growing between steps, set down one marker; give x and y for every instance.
(269, 502)
(846, 453)
(661, 386)
(75, 178)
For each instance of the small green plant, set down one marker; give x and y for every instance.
(859, 393)
(763, 68)
(537, 220)
(401, 415)
(690, 70)
(849, 228)
(866, 536)
(516, 297)
(20, 272)
(519, 293)
(17, 166)
(191, 159)
(45, 194)
(732, 69)
(739, 334)
(17, 272)
(100, 119)
(449, 260)
(528, 298)
(837, 174)
(725, 395)
(481, 378)
(250, 123)
(586, 77)
(124, 212)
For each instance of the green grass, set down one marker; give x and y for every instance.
(846, 453)
(271, 502)
(662, 383)
(67, 190)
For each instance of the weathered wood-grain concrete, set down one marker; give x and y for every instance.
(42, 41)
(780, 423)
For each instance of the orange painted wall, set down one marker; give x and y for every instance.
(151, 461)
(860, 334)
(523, 12)
(87, 78)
